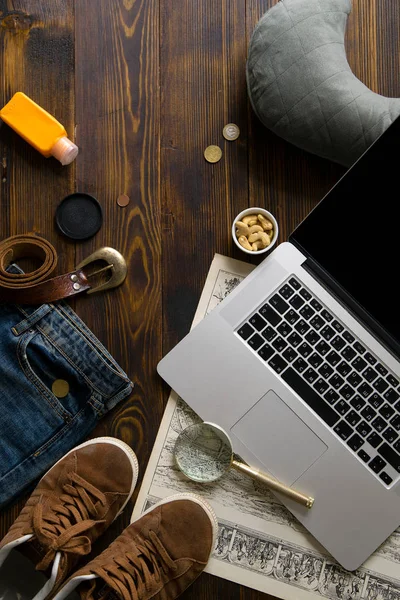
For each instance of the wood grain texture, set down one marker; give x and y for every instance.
(154, 83)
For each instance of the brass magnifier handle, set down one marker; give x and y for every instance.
(274, 484)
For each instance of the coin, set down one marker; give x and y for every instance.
(123, 200)
(213, 154)
(231, 132)
(60, 388)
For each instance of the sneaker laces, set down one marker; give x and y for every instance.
(128, 573)
(76, 511)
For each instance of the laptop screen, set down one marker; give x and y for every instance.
(353, 234)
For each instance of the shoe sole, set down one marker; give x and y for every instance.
(115, 442)
(194, 498)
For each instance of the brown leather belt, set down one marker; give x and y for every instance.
(36, 287)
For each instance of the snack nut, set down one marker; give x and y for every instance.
(255, 232)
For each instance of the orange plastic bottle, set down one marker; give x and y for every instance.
(40, 129)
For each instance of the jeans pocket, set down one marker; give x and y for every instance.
(43, 364)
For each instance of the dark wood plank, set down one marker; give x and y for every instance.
(36, 57)
(117, 115)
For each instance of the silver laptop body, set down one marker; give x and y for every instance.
(316, 424)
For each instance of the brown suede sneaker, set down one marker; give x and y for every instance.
(72, 505)
(158, 556)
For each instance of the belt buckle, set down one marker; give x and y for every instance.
(116, 264)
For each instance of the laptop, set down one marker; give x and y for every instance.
(300, 363)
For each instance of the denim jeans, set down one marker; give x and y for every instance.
(39, 345)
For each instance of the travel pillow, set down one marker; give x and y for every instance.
(301, 85)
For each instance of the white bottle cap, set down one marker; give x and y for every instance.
(65, 151)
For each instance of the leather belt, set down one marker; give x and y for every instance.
(36, 287)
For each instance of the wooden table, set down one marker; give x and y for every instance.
(144, 86)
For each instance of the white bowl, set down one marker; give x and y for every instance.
(256, 211)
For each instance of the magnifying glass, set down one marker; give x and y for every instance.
(203, 452)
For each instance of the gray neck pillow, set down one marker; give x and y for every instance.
(301, 85)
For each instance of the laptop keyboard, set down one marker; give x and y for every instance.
(339, 379)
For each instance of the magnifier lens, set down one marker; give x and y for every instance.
(203, 452)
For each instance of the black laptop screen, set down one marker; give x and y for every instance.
(354, 232)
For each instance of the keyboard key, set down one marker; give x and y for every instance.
(390, 455)
(300, 365)
(370, 374)
(385, 478)
(317, 322)
(321, 386)
(347, 392)
(286, 292)
(325, 370)
(326, 315)
(279, 344)
(377, 464)
(392, 380)
(336, 381)
(323, 348)
(355, 442)
(342, 407)
(245, 331)
(381, 385)
(386, 411)
(357, 402)
(269, 334)
(343, 368)
(338, 326)
(302, 327)
(307, 312)
(348, 337)
(348, 353)
(381, 369)
(343, 430)
(338, 343)
(266, 352)
(354, 379)
(390, 435)
(395, 422)
(379, 424)
(331, 396)
(290, 354)
(315, 304)
(391, 396)
(306, 295)
(291, 316)
(310, 375)
(333, 358)
(397, 446)
(371, 359)
(315, 360)
(327, 332)
(294, 283)
(359, 364)
(284, 329)
(277, 363)
(305, 349)
(364, 456)
(279, 304)
(375, 400)
(368, 413)
(270, 315)
(256, 341)
(359, 348)
(312, 337)
(296, 301)
(353, 418)
(363, 428)
(374, 439)
(311, 397)
(258, 322)
(365, 390)
(294, 339)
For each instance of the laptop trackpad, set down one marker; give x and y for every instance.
(279, 438)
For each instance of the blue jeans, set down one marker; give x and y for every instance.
(37, 346)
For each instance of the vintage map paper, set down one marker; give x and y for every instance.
(260, 544)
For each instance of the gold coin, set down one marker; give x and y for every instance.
(231, 132)
(60, 388)
(213, 154)
(123, 200)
